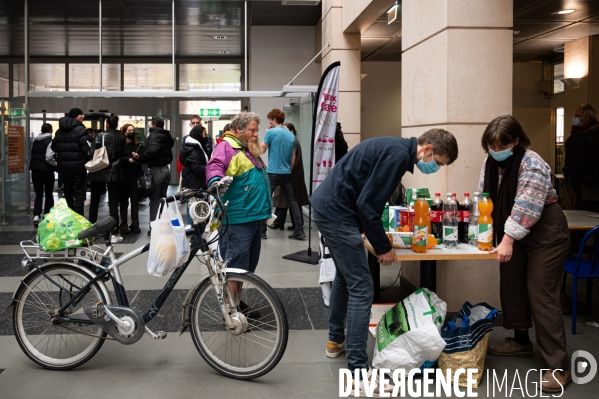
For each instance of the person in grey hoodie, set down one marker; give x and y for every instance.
(42, 167)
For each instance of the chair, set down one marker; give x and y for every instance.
(583, 268)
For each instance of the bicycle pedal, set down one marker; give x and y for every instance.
(160, 334)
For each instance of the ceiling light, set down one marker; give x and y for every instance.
(220, 37)
(392, 13)
(223, 52)
(565, 11)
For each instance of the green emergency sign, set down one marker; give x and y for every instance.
(209, 112)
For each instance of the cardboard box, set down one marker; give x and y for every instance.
(407, 219)
(395, 217)
(400, 240)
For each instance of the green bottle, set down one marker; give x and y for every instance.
(386, 217)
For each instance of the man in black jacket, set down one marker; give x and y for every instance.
(158, 156)
(42, 172)
(72, 152)
(350, 201)
(110, 176)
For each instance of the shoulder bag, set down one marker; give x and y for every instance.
(99, 160)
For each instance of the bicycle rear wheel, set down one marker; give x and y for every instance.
(253, 350)
(55, 346)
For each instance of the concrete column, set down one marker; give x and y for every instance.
(581, 62)
(456, 75)
(345, 47)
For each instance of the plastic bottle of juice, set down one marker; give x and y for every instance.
(485, 223)
(473, 225)
(421, 222)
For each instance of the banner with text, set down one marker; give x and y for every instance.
(16, 150)
(325, 124)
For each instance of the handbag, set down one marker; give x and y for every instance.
(99, 160)
(145, 183)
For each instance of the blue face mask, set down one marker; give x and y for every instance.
(576, 121)
(427, 168)
(501, 155)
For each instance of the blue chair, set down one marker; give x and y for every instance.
(584, 268)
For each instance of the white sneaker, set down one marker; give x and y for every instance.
(36, 220)
(115, 239)
(188, 227)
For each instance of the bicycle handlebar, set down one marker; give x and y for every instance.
(217, 188)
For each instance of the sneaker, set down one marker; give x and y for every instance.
(555, 382)
(373, 391)
(125, 230)
(248, 311)
(510, 348)
(298, 235)
(116, 238)
(36, 220)
(188, 227)
(334, 350)
(134, 229)
(263, 235)
(276, 226)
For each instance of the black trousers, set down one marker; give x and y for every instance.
(43, 183)
(285, 182)
(113, 201)
(75, 189)
(128, 191)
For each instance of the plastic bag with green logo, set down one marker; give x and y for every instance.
(60, 228)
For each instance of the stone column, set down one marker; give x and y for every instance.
(345, 47)
(456, 75)
(581, 62)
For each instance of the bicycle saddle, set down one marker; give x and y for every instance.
(104, 226)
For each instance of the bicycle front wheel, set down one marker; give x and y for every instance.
(255, 348)
(61, 346)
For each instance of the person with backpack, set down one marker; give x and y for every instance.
(42, 167)
(194, 159)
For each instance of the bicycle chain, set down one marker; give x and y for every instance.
(90, 335)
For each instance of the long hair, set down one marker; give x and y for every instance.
(124, 132)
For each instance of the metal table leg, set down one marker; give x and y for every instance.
(428, 274)
(375, 272)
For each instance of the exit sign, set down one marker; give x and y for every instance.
(17, 113)
(209, 111)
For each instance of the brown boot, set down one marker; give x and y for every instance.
(555, 382)
(510, 347)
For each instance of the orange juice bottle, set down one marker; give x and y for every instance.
(421, 222)
(485, 223)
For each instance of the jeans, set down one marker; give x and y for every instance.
(128, 191)
(162, 177)
(241, 245)
(43, 183)
(352, 291)
(285, 182)
(113, 201)
(74, 189)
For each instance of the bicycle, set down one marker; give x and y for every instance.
(63, 313)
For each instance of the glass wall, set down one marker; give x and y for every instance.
(209, 77)
(4, 81)
(148, 77)
(86, 77)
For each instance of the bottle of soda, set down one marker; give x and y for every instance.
(414, 198)
(385, 217)
(450, 222)
(485, 223)
(421, 221)
(464, 218)
(437, 216)
(473, 225)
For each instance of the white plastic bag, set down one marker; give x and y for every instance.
(167, 251)
(179, 232)
(407, 335)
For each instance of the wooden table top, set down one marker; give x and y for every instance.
(462, 252)
(581, 220)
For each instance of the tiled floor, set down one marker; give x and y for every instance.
(173, 368)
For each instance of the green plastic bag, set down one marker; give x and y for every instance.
(60, 228)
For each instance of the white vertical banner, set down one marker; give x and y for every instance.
(325, 124)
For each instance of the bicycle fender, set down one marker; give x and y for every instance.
(185, 313)
(81, 268)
